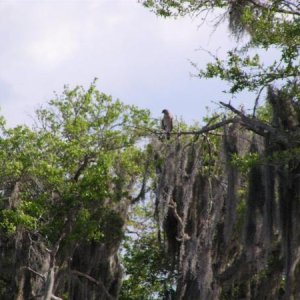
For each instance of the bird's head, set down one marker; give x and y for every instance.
(165, 111)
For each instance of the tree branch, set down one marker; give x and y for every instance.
(257, 126)
(257, 99)
(96, 282)
(183, 236)
(204, 129)
(278, 10)
(207, 128)
(82, 167)
(252, 124)
(35, 272)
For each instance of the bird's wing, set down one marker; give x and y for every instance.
(171, 123)
(163, 123)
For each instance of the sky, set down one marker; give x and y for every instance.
(138, 57)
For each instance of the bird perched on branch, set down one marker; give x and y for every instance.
(167, 122)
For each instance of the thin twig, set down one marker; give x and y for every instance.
(257, 99)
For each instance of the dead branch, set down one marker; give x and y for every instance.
(35, 272)
(204, 129)
(183, 235)
(257, 126)
(49, 284)
(207, 128)
(96, 282)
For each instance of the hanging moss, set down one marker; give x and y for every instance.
(235, 235)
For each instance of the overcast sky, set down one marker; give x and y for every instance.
(138, 57)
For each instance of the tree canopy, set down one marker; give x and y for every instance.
(68, 182)
(72, 187)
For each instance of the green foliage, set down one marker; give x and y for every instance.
(148, 272)
(264, 113)
(277, 158)
(246, 162)
(245, 72)
(74, 167)
(146, 269)
(241, 210)
(174, 8)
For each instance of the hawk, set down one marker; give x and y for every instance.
(167, 122)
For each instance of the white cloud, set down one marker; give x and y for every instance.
(137, 56)
(53, 48)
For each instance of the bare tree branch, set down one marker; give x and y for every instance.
(35, 272)
(258, 126)
(96, 282)
(257, 99)
(204, 129)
